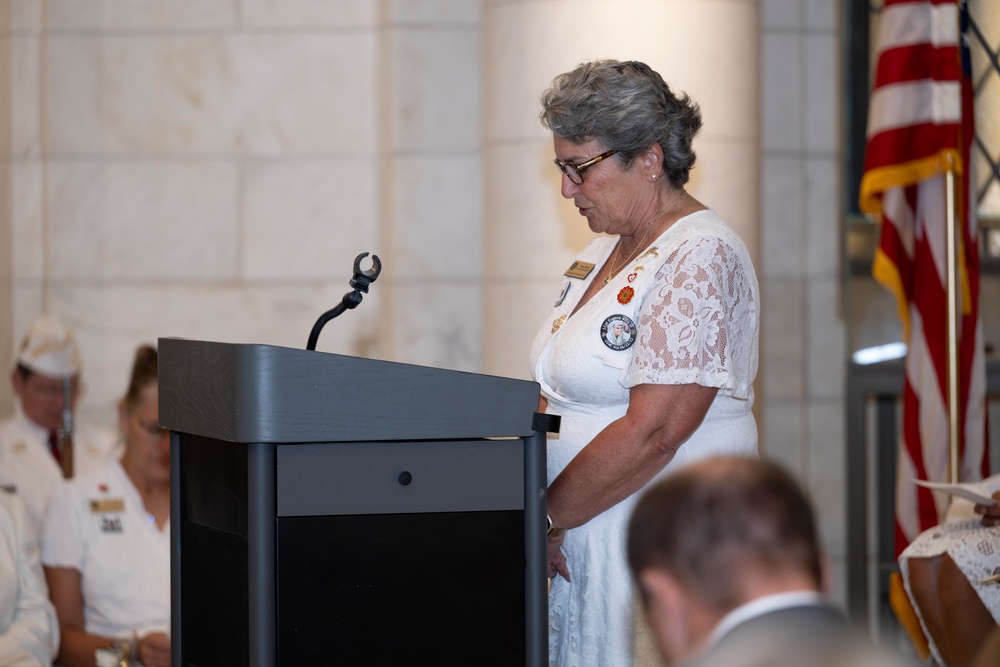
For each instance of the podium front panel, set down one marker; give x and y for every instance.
(384, 553)
(390, 552)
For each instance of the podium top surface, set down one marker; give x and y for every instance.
(263, 393)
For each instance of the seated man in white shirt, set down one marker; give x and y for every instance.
(726, 557)
(29, 632)
(38, 438)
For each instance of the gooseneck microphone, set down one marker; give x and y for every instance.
(360, 282)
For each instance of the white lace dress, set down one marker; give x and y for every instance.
(684, 312)
(975, 548)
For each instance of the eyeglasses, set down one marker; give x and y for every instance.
(51, 390)
(575, 171)
(151, 428)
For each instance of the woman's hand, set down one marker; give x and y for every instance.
(557, 560)
(991, 513)
(154, 650)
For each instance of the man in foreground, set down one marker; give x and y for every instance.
(726, 557)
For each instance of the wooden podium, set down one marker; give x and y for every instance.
(329, 510)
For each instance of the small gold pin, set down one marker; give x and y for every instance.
(579, 269)
(108, 505)
(558, 322)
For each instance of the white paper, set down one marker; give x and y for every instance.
(978, 492)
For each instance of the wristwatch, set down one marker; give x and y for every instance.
(550, 530)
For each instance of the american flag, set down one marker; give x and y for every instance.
(920, 124)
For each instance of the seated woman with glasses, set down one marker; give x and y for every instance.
(650, 352)
(106, 541)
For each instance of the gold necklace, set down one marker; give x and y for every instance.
(639, 246)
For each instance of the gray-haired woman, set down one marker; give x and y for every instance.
(679, 387)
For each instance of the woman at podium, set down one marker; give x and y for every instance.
(106, 541)
(650, 352)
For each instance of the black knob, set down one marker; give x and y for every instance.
(405, 478)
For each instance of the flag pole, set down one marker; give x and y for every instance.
(953, 285)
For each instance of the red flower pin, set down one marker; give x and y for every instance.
(626, 294)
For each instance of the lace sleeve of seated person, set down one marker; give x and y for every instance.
(699, 322)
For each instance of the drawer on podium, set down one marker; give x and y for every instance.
(400, 477)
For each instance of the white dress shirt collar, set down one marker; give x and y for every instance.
(759, 607)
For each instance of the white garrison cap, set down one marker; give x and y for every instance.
(50, 348)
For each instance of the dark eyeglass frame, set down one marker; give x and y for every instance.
(575, 171)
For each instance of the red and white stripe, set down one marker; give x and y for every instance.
(920, 126)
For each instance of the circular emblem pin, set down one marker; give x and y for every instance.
(625, 295)
(618, 332)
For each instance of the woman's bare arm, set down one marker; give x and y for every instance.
(76, 648)
(629, 452)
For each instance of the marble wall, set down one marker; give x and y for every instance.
(210, 168)
(532, 232)
(803, 341)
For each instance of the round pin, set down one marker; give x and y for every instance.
(618, 332)
(625, 295)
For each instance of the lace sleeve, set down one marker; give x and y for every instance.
(698, 323)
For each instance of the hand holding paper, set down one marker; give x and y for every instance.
(978, 492)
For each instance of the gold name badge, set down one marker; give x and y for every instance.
(579, 270)
(108, 505)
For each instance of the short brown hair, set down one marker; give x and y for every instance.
(706, 521)
(144, 373)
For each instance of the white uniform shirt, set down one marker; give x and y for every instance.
(29, 630)
(98, 525)
(28, 468)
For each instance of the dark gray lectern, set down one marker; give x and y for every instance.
(329, 510)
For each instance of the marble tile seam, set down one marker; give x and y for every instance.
(236, 30)
(248, 158)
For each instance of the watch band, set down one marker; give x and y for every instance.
(550, 530)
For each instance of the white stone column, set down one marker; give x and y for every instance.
(430, 183)
(706, 48)
(6, 234)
